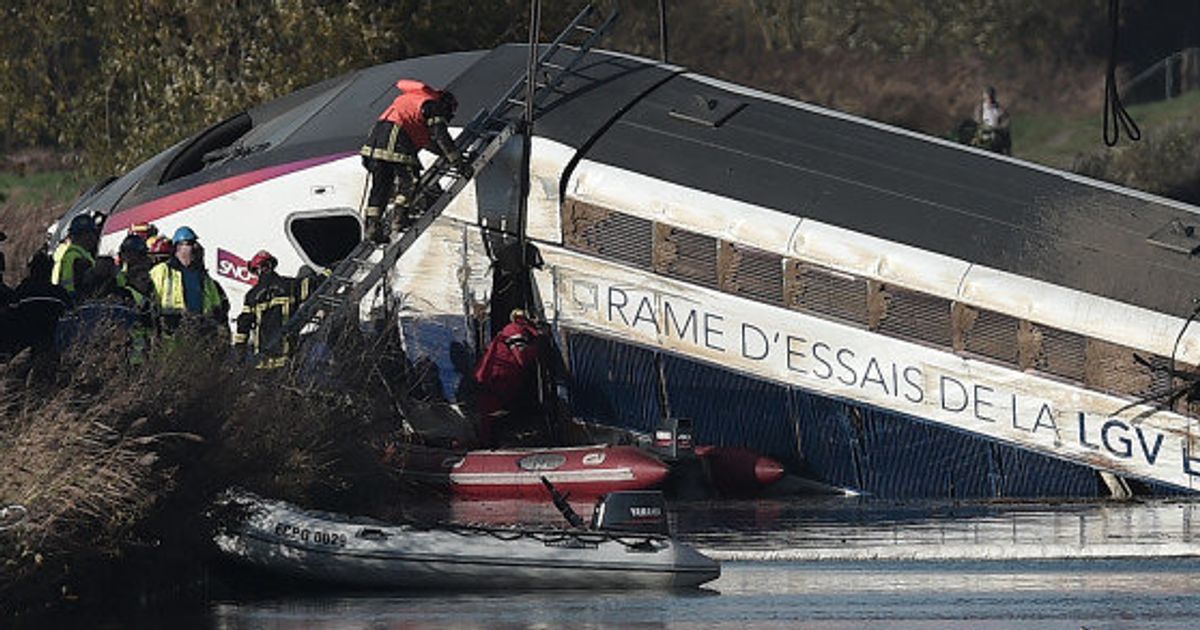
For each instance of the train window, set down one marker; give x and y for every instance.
(685, 255)
(1059, 352)
(914, 315)
(1124, 371)
(751, 273)
(327, 237)
(826, 292)
(190, 158)
(608, 234)
(987, 333)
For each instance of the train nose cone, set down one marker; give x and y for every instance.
(767, 471)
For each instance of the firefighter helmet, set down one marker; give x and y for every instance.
(144, 230)
(450, 101)
(133, 244)
(82, 224)
(160, 245)
(263, 257)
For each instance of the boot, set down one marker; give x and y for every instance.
(373, 227)
(400, 220)
(400, 214)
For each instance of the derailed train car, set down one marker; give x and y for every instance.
(880, 310)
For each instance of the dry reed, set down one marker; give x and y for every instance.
(117, 463)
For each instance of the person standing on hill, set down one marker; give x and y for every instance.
(76, 254)
(160, 249)
(993, 132)
(184, 288)
(415, 120)
(6, 308)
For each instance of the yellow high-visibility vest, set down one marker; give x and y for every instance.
(64, 265)
(168, 284)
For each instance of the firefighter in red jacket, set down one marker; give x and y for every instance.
(415, 120)
(507, 374)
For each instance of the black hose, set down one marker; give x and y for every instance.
(1115, 116)
(1175, 349)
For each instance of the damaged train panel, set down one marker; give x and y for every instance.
(884, 312)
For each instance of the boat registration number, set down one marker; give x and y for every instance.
(304, 534)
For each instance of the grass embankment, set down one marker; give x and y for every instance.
(116, 464)
(29, 202)
(1165, 161)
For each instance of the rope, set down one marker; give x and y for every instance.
(1175, 348)
(1115, 116)
(637, 542)
(589, 537)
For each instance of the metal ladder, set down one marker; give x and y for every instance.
(353, 277)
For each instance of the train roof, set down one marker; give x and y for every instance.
(662, 121)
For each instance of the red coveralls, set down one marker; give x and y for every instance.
(506, 374)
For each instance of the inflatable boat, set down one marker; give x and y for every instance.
(580, 471)
(625, 548)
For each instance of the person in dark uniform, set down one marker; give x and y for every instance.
(267, 307)
(3, 237)
(7, 296)
(415, 120)
(37, 305)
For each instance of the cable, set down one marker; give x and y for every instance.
(1175, 349)
(1115, 116)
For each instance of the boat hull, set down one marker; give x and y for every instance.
(314, 546)
(582, 472)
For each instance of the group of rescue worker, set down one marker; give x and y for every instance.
(156, 284)
(150, 287)
(153, 286)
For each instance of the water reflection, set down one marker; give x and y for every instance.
(1057, 577)
(1092, 594)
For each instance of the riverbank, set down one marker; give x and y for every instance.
(116, 464)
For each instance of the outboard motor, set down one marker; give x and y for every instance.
(640, 511)
(673, 438)
(674, 444)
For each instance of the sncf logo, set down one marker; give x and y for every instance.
(231, 265)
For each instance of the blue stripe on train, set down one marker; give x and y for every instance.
(879, 452)
(883, 453)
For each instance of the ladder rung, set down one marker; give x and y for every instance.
(481, 140)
